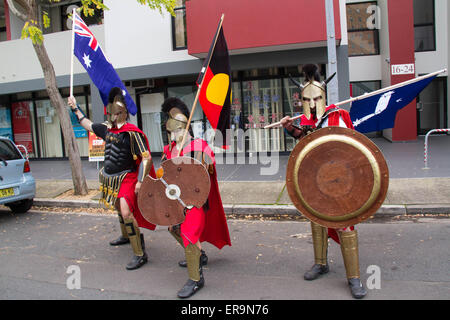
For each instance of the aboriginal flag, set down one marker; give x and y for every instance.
(215, 92)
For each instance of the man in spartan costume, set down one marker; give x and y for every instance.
(317, 115)
(127, 162)
(207, 223)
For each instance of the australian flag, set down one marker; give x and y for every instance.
(90, 55)
(378, 112)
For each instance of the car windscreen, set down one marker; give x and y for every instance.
(8, 151)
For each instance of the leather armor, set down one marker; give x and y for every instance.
(118, 157)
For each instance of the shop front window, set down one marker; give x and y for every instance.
(292, 107)
(5, 123)
(22, 119)
(151, 119)
(49, 130)
(432, 107)
(363, 87)
(237, 119)
(262, 105)
(81, 135)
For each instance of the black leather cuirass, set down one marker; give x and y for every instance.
(118, 156)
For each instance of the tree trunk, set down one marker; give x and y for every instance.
(78, 178)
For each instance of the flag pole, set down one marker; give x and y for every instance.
(200, 85)
(72, 53)
(371, 94)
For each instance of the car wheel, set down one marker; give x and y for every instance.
(21, 206)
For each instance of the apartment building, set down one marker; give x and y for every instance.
(158, 56)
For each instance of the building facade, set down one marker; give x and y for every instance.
(159, 56)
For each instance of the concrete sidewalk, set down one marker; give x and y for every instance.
(405, 196)
(245, 189)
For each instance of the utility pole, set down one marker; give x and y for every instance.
(333, 85)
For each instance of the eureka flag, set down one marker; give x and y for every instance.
(215, 92)
(101, 72)
(378, 112)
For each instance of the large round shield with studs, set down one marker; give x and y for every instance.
(337, 177)
(183, 183)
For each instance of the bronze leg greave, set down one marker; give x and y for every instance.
(122, 227)
(349, 248)
(134, 235)
(192, 253)
(177, 237)
(320, 243)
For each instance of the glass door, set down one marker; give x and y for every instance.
(431, 107)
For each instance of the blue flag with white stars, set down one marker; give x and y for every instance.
(100, 70)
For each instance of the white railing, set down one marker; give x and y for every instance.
(23, 150)
(425, 159)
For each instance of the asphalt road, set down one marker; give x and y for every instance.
(42, 252)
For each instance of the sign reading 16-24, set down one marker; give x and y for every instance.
(398, 69)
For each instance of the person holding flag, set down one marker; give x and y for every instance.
(214, 88)
(127, 162)
(317, 115)
(207, 223)
(126, 149)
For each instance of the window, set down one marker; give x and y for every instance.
(66, 10)
(8, 151)
(59, 15)
(3, 36)
(24, 126)
(362, 32)
(424, 26)
(50, 139)
(432, 106)
(262, 104)
(360, 88)
(179, 38)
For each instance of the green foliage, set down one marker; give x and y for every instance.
(87, 6)
(46, 19)
(33, 32)
(168, 5)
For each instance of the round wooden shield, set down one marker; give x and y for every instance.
(184, 183)
(337, 177)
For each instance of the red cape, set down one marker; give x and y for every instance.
(333, 118)
(333, 121)
(131, 183)
(216, 227)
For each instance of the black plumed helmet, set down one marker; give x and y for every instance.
(311, 72)
(115, 94)
(174, 102)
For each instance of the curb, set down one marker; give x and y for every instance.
(267, 210)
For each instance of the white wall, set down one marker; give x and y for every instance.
(19, 60)
(132, 35)
(137, 35)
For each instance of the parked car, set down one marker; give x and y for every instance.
(17, 185)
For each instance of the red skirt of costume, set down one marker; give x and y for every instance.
(128, 185)
(333, 121)
(200, 225)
